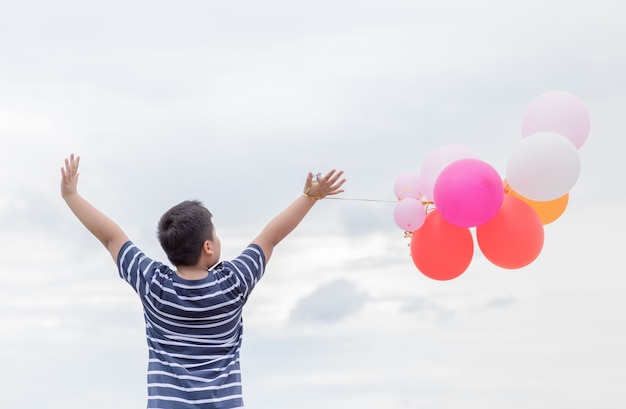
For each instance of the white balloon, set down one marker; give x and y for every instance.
(543, 166)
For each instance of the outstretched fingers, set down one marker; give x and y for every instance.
(69, 175)
(71, 166)
(332, 182)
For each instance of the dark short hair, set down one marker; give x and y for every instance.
(182, 231)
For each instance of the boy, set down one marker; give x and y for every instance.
(193, 313)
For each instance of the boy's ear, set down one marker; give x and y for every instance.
(207, 247)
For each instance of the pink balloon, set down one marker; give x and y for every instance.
(559, 112)
(468, 193)
(409, 214)
(409, 185)
(438, 160)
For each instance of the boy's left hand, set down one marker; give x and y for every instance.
(327, 185)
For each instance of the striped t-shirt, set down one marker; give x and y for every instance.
(193, 328)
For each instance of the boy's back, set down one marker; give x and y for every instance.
(193, 328)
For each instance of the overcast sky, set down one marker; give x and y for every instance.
(232, 103)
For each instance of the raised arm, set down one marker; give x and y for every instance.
(105, 229)
(287, 220)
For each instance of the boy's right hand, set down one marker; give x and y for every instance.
(103, 228)
(69, 173)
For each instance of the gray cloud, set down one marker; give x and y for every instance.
(422, 305)
(329, 303)
(501, 302)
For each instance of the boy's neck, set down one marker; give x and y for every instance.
(192, 273)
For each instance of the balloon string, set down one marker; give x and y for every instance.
(427, 203)
(362, 200)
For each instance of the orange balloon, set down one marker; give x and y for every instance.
(547, 211)
(513, 238)
(441, 250)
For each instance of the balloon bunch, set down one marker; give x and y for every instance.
(456, 191)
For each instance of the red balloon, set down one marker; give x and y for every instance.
(513, 238)
(441, 250)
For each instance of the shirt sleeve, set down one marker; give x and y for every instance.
(134, 267)
(246, 270)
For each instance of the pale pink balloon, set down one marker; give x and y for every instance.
(543, 166)
(468, 193)
(409, 214)
(438, 160)
(409, 185)
(560, 112)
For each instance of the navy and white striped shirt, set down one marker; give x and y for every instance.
(193, 328)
